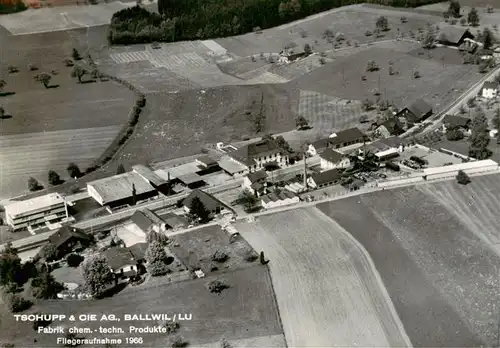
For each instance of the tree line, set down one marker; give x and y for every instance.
(192, 19)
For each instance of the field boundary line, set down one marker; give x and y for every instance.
(378, 278)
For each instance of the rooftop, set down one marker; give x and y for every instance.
(257, 176)
(118, 257)
(174, 220)
(210, 202)
(248, 153)
(30, 205)
(345, 136)
(147, 174)
(141, 220)
(231, 166)
(281, 196)
(453, 34)
(138, 250)
(118, 187)
(331, 156)
(490, 85)
(456, 120)
(206, 160)
(65, 233)
(419, 108)
(190, 178)
(326, 177)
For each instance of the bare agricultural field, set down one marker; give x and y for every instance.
(197, 247)
(245, 310)
(434, 248)
(327, 292)
(400, 89)
(178, 124)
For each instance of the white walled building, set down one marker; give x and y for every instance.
(331, 159)
(36, 212)
(275, 200)
(489, 90)
(256, 155)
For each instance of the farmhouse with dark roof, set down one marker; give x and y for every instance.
(336, 140)
(416, 112)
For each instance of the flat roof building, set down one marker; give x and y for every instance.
(36, 212)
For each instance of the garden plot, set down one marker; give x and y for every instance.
(434, 248)
(326, 112)
(400, 89)
(327, 292)
(50, 19)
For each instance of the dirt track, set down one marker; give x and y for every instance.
(326, 290)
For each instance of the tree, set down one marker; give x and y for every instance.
(463, 21)
(416, 74)
(307, 49)
(2, 112)
(75, 54)
(382, 23)
(10, 266)
(74, 260)
(2, 84)
(54, 178)
(34, 185)
(473, 17)
(262, 258)
(155, 253)
(479, 139)
(487, 38)
(198, 211)
(78, 71)
(429, 40)
(17, 303)
(462, 178)
(371, 66)
(217, 286)
(454, 134)
(158, 269)
(158, 237)
(224, 343)
(248, 199)
(45, 286)
(96, 274)
(74, 170)
(49, 252)
(282, 143)
(454, 8)
(44, 78)
(120, 169)
(301, 123)
(496, 119)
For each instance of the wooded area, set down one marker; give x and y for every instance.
(192, 19)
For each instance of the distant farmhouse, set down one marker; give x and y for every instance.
(255, 156)
(337, 140)
(489, 90)
(46, 211)
(288, 57)
(416, 112)
(454, 36)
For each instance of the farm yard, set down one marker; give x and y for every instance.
(326, 289)
(434, 248)
(401, 88)
(246, 310)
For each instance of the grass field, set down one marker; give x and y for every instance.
(247, 309)
(177, 124)
(434, 248)
(327, 293)
(196, 249)
(46, 128)
(402, 88)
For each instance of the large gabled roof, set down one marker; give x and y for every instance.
(419, 108)
(345, 136)
(63, 234)
(453, 34)
(331, 156)
(119, 257)
(246, 154)
(257, 176)
(326, 177)
(455, 120)
(119, 186)
(210, 202)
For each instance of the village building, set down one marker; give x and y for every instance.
(174, 221)
(456, 121)
(157, 182)
(336, 141)
(121, 190)
(386, 149)
(279, 199)
(148, 221)
(390, 127)
(489, 90)
(255, 182)
(469, 46)
(331, 159)
(453, 36)
(70, 239)
(256, 155)
(327, 178)
(416, 112)
(46, 211)
(212, 204)
(125, 263)
(207, 165)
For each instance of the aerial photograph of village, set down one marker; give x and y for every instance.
(249, 173)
